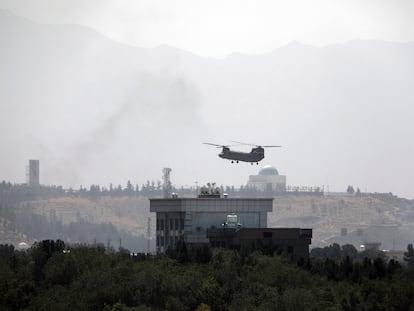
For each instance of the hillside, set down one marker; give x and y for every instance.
(327, 215)
(376, 218)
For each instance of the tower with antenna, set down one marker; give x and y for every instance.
(166, 186)
(32, 174)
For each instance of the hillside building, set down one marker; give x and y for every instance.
(32, 174)
(268, 179)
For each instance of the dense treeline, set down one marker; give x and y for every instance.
(22, 192)
(50, 276)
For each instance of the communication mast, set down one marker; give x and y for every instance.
(166, 186)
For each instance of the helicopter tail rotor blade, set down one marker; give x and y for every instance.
(271, 146)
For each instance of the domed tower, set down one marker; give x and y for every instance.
(268, 170)
(268, 179)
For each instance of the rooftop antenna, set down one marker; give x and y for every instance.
(166, 186)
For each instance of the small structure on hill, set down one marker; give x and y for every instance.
(33, 174)
(268, 179)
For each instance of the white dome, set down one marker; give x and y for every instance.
(268, 170)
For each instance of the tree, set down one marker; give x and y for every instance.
(348, 250)
(350, 190)
(129, 188)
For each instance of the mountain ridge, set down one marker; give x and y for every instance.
(96, 93)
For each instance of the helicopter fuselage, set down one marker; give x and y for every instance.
(256, 155)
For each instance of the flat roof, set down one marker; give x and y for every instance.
(211, 198)
(209, 204)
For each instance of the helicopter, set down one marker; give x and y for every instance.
(254, 156)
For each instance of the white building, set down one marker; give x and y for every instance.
(268, 179)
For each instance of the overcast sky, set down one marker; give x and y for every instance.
(217, 28)
(378, 87)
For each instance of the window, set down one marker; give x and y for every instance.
(267, 234)
(181, 223)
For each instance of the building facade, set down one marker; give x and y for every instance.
(290, 241)
(190, 218)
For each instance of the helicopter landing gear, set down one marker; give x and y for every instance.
(237, 161)
(251, 163)
(257, 163)
(232, 161)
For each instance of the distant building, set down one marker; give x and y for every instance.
(32, 174)
(268, 179)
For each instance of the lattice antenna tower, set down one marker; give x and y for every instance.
(166, 186)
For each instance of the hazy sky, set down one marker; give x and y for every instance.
(356, 107)
(217, 28)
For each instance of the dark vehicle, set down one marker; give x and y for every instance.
(254, 156)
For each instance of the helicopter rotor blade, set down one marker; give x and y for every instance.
(267, 146)
(239, 142)
(216, 145)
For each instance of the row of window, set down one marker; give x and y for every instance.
(171, 241)
(174, 224)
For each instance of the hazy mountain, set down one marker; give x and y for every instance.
(95, 111)
(88, 107)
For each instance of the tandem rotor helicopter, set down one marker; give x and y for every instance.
(254, 156)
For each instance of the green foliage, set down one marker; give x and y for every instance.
(350, 190)
(335, 251)
(87, 278)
